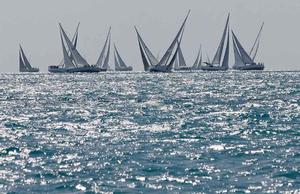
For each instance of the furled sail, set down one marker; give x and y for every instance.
(99, 62)
(237, 56)
(79, 60)
(169, 51)
(218, 55)
(256, 44)
(148, 53)
(245, 57)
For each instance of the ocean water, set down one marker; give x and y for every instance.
(236, 132)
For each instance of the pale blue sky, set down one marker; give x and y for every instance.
(34, 24)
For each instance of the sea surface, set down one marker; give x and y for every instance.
(236, 132)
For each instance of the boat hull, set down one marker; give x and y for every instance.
(214, 68)
(124, 69)
(183, 69)
(252, 67)
(32, 70)
(163, 69)
(91, 69)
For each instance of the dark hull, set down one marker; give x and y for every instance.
(249, 68)
(160, 69)
(214, 68)
(75, 70)
(32, 70)
(183, 69)
(124, 69)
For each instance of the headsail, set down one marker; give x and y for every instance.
(245, 57)
(121, 62)
(181, 59)
(256, 43)
(195, 65)
(79, 60)
(148, 53)
(99, 62)
(218, 55)
(237, 56)
(21, 63)
(144, 58)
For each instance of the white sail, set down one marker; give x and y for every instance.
(237, 56)
(79, 60)
(148, 53)
(117, 65)
(21, 63)
(176, 63)
(67, 58)
(99, 62)
(121, 62)
(169, 51)
(245, 57)
(195, 65)
(200, 61)
(218, 55)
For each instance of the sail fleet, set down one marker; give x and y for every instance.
(172, 60)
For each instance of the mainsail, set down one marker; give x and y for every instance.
(244, 55)
(218, 55)
(67, 59)
(79, 60)
(105, 63)
(226, 55)
(167, 55)
(25, 61)
(102, 54)
(144, 58)
(195, 65)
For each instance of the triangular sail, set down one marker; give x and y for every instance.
(121, 62)
(79, 60)
(106, 60)
(176, 63)
(218, 55)
(117, 65)
(148, 53)
(226, 55)
(181, 59)
(200, 61)
(245, 57)
(67, 58)
(169, 51)
(256, 43)
(21, 63)
(195, 65)
(237, 56)
(102, 54)
(144, 58)
(25, 60)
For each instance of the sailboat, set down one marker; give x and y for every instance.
(24, 64)
(243, 60)
(103, 59)
(120, 65)
(217, 64)
(73, 62)
(180, 64)
(198, 62)
(167, 61)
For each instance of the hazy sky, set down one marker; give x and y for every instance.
(34, 24)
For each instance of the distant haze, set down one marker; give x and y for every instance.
(34, 24)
